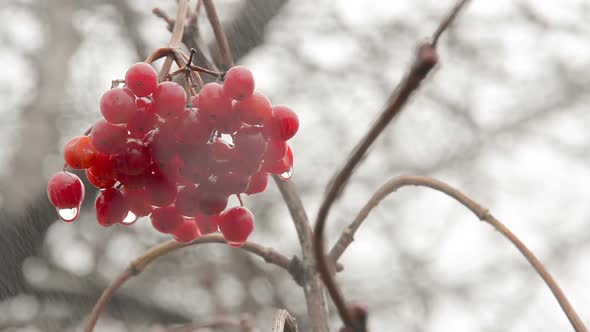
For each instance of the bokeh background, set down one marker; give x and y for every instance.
(504, 118)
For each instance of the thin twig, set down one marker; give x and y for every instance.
(138, 265)
(482, 213)
(447, 21)
(284, 322)
(176, 38)
(212, 323)
(312, 285)
(426, 58)
(224, 50)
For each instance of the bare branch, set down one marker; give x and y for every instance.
(138, 265)
(426, 58)
(482, 213)
(224, 50)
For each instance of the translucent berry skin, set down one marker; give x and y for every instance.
(284, 123)
(99, 181)
(142, 79)
(211, 203)
(207, 224)
(254, 110)
(117, 105)
(187, 200)
(111, 207)
(213, 103)
(186, 232)
(107, 137)
(143, 120)
(275, 150)
(159, 191)
(80, 152)
(137, 202)
(134, 159)
(280, 166)
(65, 190)
(166, 219)
(238, 83)
(236, 225)
(169, 99)
(258, 183)
(193, 128)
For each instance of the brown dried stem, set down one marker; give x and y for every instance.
(426, 58)
(176, 38)
(224, 50)
(138, 265)
(482, 213)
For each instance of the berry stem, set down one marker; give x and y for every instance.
(138, 265)
(176, 38)
(224, 50)
(158, 54)
(482, 213)
(115, 83)
(239, 196)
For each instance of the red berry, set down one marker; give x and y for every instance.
(207, 224)
(159, 191)
(236, 224)
(250, 143)
(65, 190)
(186, 200)
(275, 150)
(80, 152)
(210, 202)
(107, 137)
(186, 232)
(238, 83)
(111, 207)
(142, 79)
(99, 181)
(284, 123)
(213, 103)
(166, 219)
(162, 144)
(232, 183)
(219, 155)
(281, 166)
(134, 159)
(142, 121)
(103, 169)
(137, 201)
(258, 183)
(133, 181)
(254, 110)
(169, 99)
(229, 123)
(117, 105)
(193, 128)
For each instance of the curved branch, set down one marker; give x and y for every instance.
(482, 213)
(138, 265)
(426, 58)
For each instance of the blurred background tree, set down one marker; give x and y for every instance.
(504, 118)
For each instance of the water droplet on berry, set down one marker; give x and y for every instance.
(130, 219)
(68, 215)
(286, 175)
(236, 244)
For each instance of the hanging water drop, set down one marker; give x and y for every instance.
(68, 215)
(130, 219)
(287, 175)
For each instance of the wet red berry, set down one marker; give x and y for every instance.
(107, 137)
(65, 190)
(254, 110)
(166, 219)
(117, 105)
(142, 79)
(236, 225)
(187, 231)
(238, 83)
(169, 99)
(284, 123)
(80, 152)
(111, 207)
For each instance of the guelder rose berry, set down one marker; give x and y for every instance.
(66, 192)
(154, 155)
(142, 79)
(169, 99)
(238, 83)
(236, 225)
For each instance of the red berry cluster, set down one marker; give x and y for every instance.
(151, 154)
